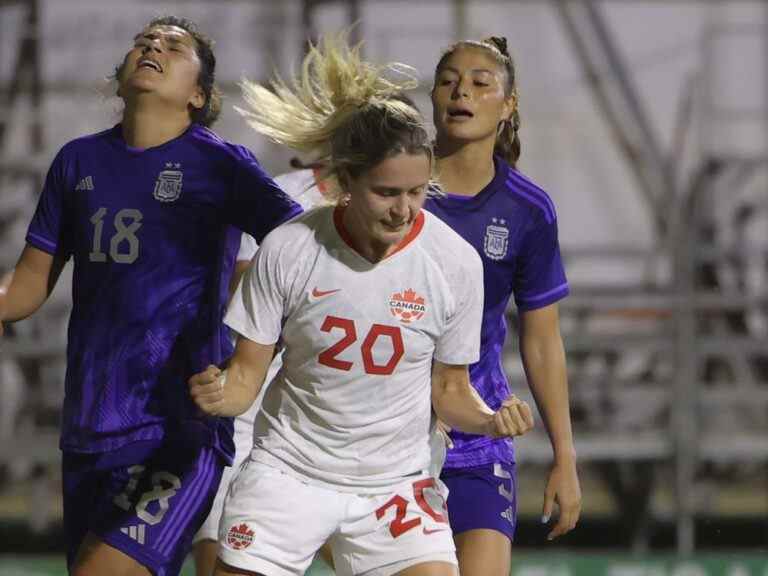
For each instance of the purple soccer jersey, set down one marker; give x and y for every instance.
(513, 226)
(152, 239)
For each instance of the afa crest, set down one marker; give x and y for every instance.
(168, 183)
(407, 306)
(240, 537)
(496, 239)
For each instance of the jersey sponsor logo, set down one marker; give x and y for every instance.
(240, 537)
(496, 239)
(168, 183)
(407, 306)
(320, 293)
(85, 184)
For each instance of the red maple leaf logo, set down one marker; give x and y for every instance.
(240, 537)
(407, 306)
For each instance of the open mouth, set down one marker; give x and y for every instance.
(148, 63)
(460, 113)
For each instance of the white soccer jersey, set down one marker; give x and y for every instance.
(351, 406)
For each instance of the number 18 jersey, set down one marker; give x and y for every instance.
(351, 406)
(152, 239)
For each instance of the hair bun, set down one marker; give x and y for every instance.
(499, 42)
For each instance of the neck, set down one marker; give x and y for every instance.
(362, 243)
(146, 126)
(465, 168)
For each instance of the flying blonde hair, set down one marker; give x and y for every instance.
(344, 111)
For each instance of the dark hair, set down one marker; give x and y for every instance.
(507, 140)
(210, 111)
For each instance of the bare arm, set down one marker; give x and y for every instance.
(240, 268)
(231, 392)
(543, 355)
(26, 288)
(459, 405)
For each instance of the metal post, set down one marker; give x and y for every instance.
(460, 16)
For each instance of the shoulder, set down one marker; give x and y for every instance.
(527, 193)
(218, 148)
(87, 142)
(447, 248)
(294, 235)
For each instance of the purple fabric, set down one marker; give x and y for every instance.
(152, 238)
(482, 497)
(513, 226)
(178, 482)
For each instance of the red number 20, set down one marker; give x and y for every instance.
(328, 357)
(400, 525)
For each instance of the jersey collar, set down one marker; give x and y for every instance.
(338, 221)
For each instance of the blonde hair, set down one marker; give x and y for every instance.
(341, 109)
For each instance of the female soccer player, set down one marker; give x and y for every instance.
(145, 210)
(511, 222)
(377, 305)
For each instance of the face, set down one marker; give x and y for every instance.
(164, 61)
(469, 98)
(384, 202)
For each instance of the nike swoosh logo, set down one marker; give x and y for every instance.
(428, 531)
(320, 293)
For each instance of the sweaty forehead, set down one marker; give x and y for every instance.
(168, 33)
(471, 58)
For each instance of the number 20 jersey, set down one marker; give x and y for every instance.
(150, 232)
(351, 406)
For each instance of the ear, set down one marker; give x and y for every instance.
(197, 100)
(510, 105)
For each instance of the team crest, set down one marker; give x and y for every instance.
(407, 306)
(240, 537)
(496, 239)
(168, 184)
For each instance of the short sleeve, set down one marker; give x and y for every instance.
(460, 341)
(256, 309)
(540, 279)
(247, 248)
(49, 229)
(257, 205)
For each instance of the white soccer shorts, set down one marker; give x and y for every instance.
(273, 523)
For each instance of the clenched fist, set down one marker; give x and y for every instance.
(513, 418)
(207, 390)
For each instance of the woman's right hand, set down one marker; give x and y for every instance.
(207, 390)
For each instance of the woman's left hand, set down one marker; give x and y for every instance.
(562, 488)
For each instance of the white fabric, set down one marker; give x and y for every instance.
(299, 185)
(329, 418)
(274, 523)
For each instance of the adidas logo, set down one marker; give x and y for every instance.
(135, 532)
(85, 184)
